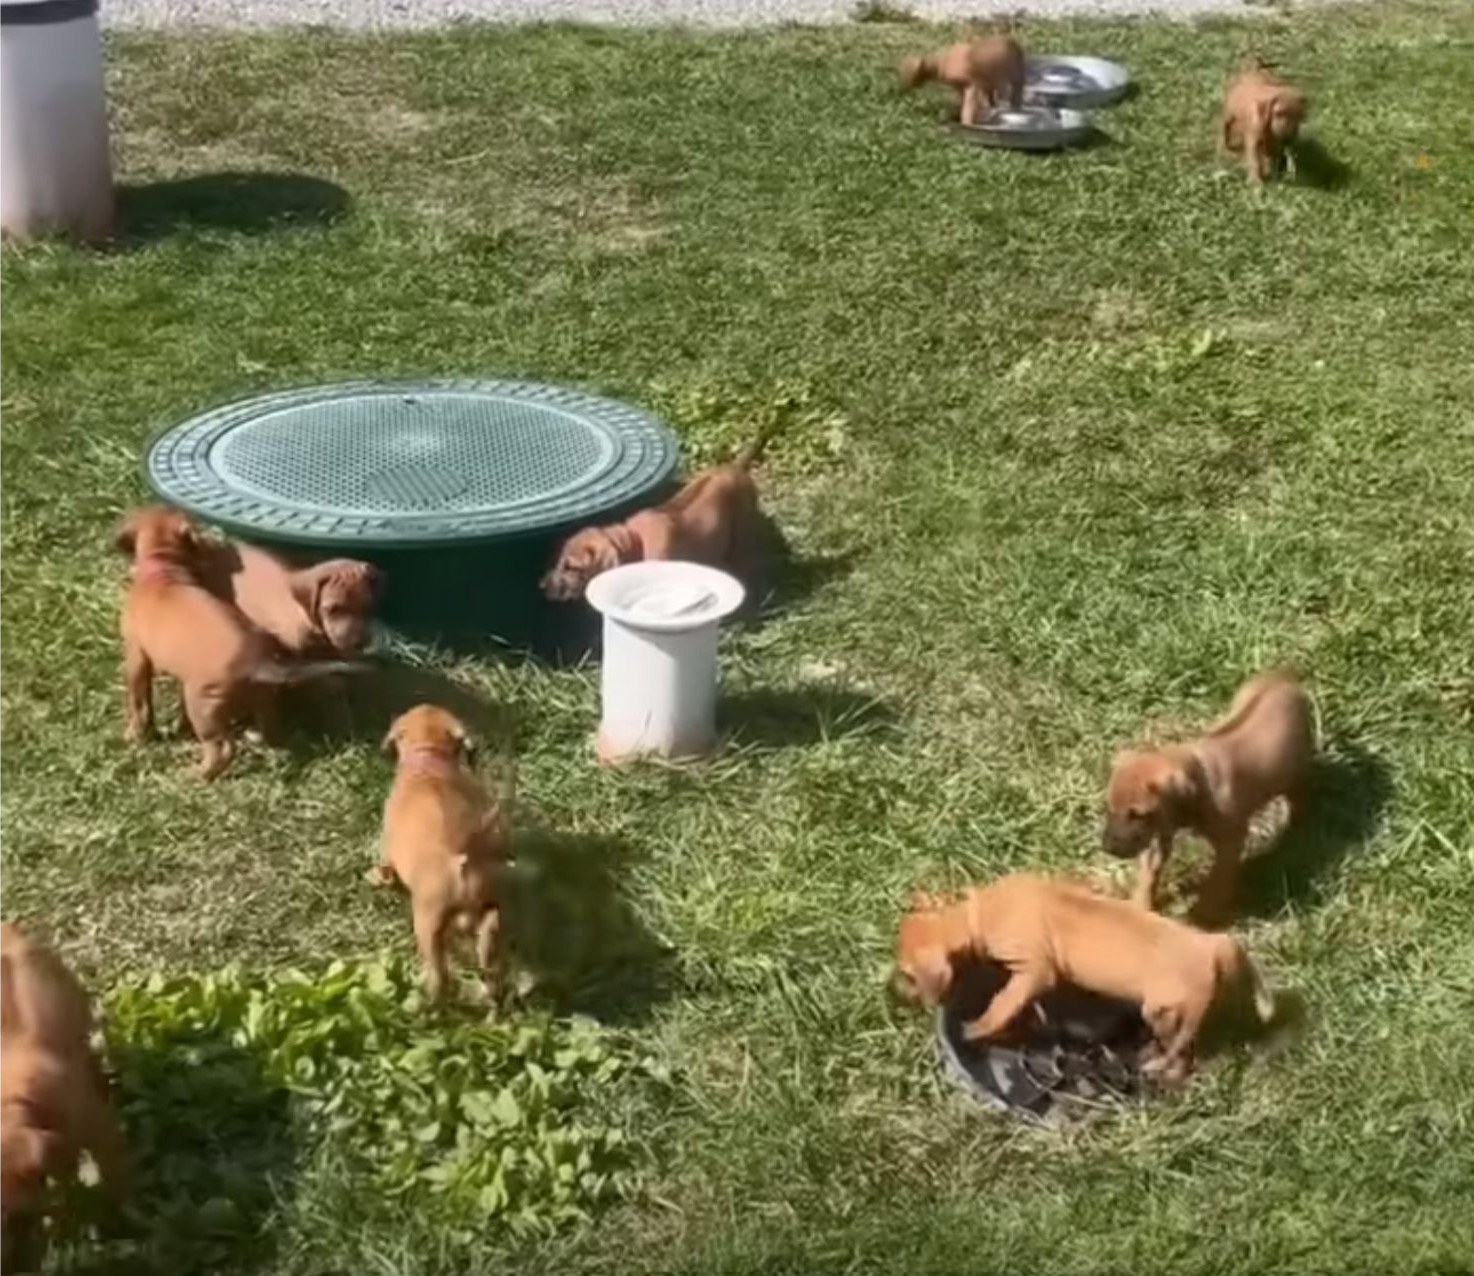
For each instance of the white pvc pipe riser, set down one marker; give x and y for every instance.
(659, 692)
(55, 167)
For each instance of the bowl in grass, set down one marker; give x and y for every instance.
(1030, 128)
(1079, 83)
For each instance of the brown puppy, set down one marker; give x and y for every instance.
(1214, 785)
(319, 610)
(53, 1098)
(1046, 932)
(173, 624)
(984, 72)
(712, 520)
(1261, 120)
(444, 842)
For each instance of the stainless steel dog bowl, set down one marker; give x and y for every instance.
(1079, 83)
(1030, 128)
(1075, 1058)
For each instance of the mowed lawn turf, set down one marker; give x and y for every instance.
(1071, 445)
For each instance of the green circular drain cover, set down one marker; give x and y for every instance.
(411, 464)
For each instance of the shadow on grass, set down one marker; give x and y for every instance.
(1317, 168)
(1348, 790)
(804, 715)
(572, 925)
(244, 203)
(320, 717)
(212, 1151)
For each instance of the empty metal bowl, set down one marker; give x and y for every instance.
(1075, 1057)
(1081, 84)
(1030, 128)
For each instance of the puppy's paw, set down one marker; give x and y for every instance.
(381, 875)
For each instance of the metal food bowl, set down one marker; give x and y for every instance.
(1030, 128)
(1081, 84)
(1076, 1056)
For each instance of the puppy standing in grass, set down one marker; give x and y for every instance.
(53, 1098)
(1262, 749)
(1261, 121)
(445, 842)
(173, 624)
(985, 73)
(1045, 932)
(714, 519)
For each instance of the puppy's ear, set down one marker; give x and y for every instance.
(126, 537)
(464, 742)
(390, 743)
(1183, 788)
(307, 589)
(931, 971)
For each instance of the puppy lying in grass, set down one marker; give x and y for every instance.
(1046, 932)
(173, 624)
(53, 1097)
(445, 841)
(714, 520)
(1262, 115)
(985, 73)
(1262, 749)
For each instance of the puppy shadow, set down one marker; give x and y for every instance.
(1349, 789)
(239, 202)
(1235, 1028)
(212, 1153)
(1317, 168)
(781, 580)
(572, 926)
(361, 706)
(776, 719)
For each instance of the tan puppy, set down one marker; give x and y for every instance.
(318, 610)
(1045, 932)
(985, 73)
(1261, 121)
(713, 520)
(444, 842)
(1261, 750)
(172, 624)
(53, 1097)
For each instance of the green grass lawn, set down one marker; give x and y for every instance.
(1080, 442)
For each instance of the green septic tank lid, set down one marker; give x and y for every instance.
(386, 464)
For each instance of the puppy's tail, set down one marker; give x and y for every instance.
(753, 452)
(275, 672)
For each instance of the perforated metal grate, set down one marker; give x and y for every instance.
(394, 463)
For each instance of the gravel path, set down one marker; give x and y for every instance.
(367, 14)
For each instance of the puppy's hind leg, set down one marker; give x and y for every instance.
(210, 715)
(488, 935)
(430, 939)
(138, 687)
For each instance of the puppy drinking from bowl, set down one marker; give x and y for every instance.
(714, 520)
(445, 842)
(1260, 750)
(1047, 932)
(985, 73)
